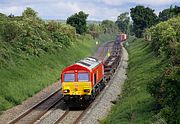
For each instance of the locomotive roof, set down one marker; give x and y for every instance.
(89, 62)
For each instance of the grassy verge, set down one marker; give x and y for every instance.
(135, 105)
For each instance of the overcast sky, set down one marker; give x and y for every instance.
(97, 9)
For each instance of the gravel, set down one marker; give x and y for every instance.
(103, 103)
(53, 114)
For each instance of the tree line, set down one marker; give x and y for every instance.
(143, 18)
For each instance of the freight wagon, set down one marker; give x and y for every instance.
(122, 37)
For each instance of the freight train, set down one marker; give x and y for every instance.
(83, 80)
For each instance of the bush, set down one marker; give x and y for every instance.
(165, 38)
(9, 30)
(31, 35)
(166, 91)
(61, 38)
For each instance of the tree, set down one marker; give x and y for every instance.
(3, 17)
(94, 30)
(164, 15)
(78, 20)
(29, 13)
(142, 18)
(169, 13)
(123, 22)
(10, 30)
(109, 26)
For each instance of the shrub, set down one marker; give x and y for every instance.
(166, 90)
(165, 39)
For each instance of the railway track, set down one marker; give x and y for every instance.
(37, 111)
(35, 114)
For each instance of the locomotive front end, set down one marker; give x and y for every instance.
(76, 85)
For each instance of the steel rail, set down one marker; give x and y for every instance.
(24, 114)
(61, 118)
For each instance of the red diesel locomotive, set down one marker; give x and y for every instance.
(82, 80)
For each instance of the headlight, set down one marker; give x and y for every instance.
(66, 91)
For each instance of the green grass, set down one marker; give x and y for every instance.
(135, 105)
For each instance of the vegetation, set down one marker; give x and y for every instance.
(169, 13)
(31, 36)
(95, 30)
(78, 20)
(123, 22)
(106, 27)
(165, 88)
(109, 26)
(164, 39)
(142, 18)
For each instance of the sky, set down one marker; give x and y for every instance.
(97, 9)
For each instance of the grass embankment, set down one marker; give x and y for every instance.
(24, 78)
(135, 105)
